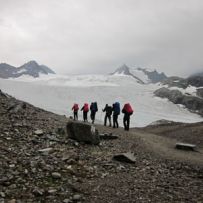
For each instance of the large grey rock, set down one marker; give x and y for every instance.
(83, 132)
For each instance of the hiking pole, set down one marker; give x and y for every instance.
(101, 116)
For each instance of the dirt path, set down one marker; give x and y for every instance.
(158, 145)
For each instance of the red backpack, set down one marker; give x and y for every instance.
(86, 107)
(75, 107)
(128, 108)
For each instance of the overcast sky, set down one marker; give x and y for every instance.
(97, 36)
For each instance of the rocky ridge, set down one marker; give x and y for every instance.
(193, 103)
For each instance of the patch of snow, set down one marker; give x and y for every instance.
(140, 74)
(190, 90)
(22, 70)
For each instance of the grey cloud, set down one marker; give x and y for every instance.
(89, 36)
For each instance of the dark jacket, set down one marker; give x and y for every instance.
(108, 110)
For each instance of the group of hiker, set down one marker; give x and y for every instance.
(109, 111)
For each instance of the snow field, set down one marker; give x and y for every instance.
(58, 93)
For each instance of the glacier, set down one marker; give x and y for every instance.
(57, 93)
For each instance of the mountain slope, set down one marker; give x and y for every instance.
(31, 68)
(50, 167)
(142, 75)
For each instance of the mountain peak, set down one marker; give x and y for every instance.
(142, 75)
(124, 69)
(32, 62)
(31, 68)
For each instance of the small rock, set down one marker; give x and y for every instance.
(125, 157)
(66, 201)
(26, 171)
(108, 136)
(52, 191)
(45, 151)
(39, 132)
(2, 194)
(12, 201)
(76, 197)
(12, 165)
(56, 175)
(38, 192)
(185, 146)
(2, 200)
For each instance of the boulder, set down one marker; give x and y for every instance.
(83, 132)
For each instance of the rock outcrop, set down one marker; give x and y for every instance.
(200, 92)
(193, 103)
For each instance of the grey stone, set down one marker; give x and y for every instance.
(56, 175)
(52, 191)
(38, 192)
(83, 132)
(45, 151)
(108, 136)
(39, 132)
(2, 200)
(185, 146)
(66, 201)
(125, 157)
(77, 197)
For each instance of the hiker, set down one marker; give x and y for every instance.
(93, 109)
(75, 109)
(85, 110)
(108, 110)
(116, 112)
(128, 111)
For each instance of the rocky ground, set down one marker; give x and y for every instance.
(40, 164)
